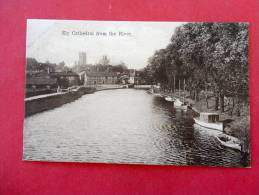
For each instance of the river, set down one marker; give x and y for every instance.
(122, 126)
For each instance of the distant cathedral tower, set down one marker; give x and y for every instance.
(82, 58)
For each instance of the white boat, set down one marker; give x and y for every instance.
(209, 120)
(229, 141)
(155, 90)
(157, 94)
(179, 104)
(169, 99)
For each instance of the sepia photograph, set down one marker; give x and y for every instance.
(135, 92)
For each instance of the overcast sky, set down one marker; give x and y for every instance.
(46, 41)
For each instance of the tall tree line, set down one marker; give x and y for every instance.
(211, 56)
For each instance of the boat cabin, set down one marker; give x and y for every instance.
(209, 117)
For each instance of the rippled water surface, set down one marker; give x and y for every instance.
(122, 126)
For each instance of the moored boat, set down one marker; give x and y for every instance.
(169, 99)
(209, 120)
(179, 104)
(155, 90)
(157, 94)
(229, 141)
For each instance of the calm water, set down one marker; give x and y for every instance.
(122, 126)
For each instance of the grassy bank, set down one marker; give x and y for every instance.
(237, 126)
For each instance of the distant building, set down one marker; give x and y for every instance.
(41, 83)
(98, 78)
(36, 68)
(104, 60)
(66, 79)
(132, 74)
(45, 82)
(138, 79)
(82, 58)
(123, 79)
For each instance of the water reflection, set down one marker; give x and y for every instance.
(122, 126)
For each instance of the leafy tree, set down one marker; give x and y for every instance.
(211, 56)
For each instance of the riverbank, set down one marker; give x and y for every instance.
(236, 126)
(44, 102)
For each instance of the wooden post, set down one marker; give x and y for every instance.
(216, 102)
(206, 96)
(179, 88)
(183, 90)
(174, 84)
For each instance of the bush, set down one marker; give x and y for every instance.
(241, 129)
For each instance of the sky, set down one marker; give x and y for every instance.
(129, 42)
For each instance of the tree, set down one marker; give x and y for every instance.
(120, 67)
(210, 56)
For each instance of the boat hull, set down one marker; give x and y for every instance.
(169, 99)
(183, 107)
(157, 95)
(178, 103)
(215, 126)
(230, 144)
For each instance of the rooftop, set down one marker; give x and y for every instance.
(101, 74)
(70, 73)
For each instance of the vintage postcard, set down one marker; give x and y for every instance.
(165, 93)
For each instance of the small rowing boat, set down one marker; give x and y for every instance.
(229, 141)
